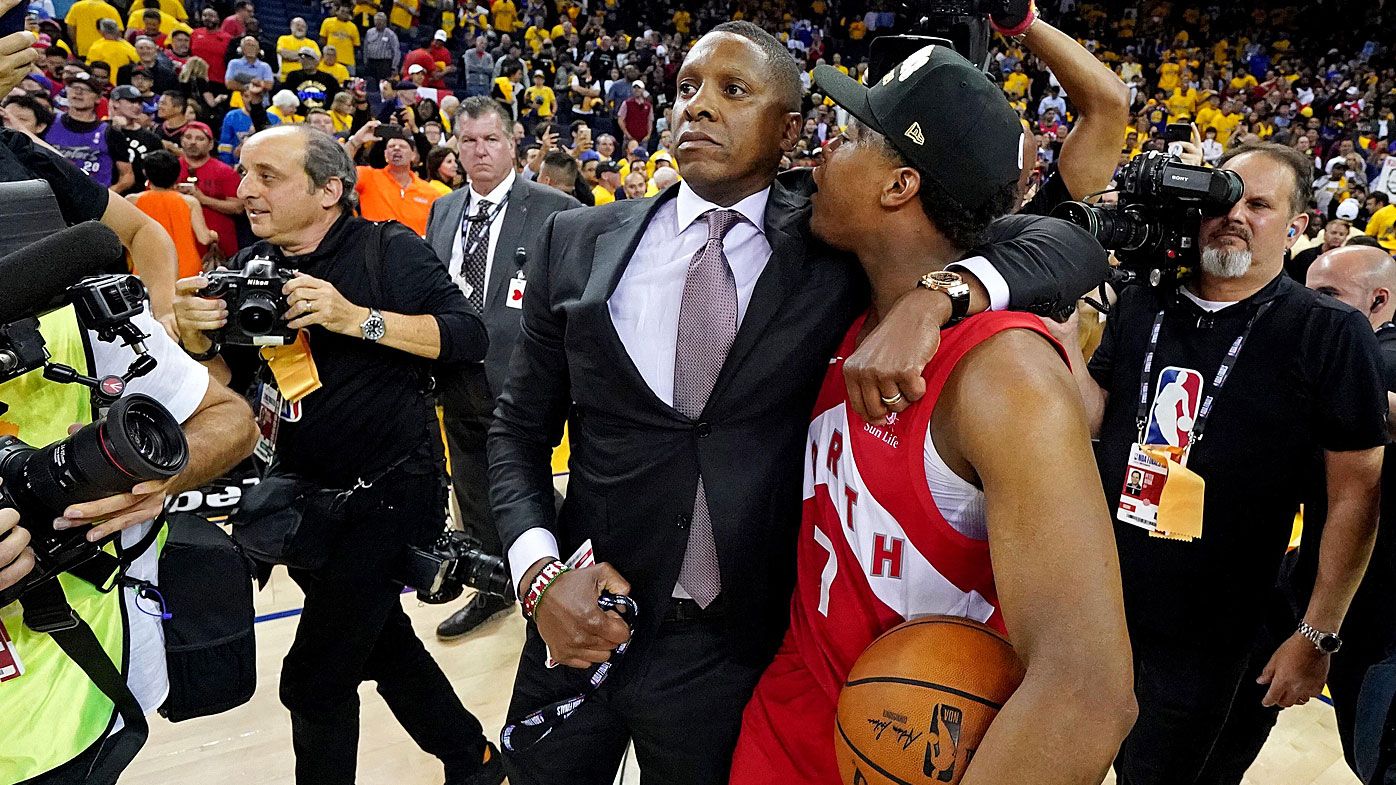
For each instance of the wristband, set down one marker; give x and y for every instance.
(213, 349)
(1020, 28)
(540, 584)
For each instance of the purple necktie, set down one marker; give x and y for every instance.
(707, 326)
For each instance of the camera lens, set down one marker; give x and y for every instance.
(258, 315)
(137, 441)
(1114, 228)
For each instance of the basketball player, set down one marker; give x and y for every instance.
(980, 500)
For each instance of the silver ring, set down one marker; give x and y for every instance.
(894, 400)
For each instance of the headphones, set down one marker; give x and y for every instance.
(1378, 302)
(1291, 231)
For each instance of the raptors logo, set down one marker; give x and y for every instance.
(943, 743)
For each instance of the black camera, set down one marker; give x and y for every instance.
(137, 441)
(440, 573)
(256, 304)
(21, 348)
(1153, 230)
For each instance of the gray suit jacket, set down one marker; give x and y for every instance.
(528, 209)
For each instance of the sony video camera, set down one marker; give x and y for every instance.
(256, 304)
(962, 25)
(1154, 228)
(137, 441)
(440, 573)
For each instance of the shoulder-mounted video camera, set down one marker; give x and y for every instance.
(1153, 230)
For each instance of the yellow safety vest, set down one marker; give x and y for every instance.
(64, 712)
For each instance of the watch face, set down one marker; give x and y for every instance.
(1329, 643)
(943, 278)
(373, 327)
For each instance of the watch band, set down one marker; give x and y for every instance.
(955, 288)
(214, 349)
(1325, 642)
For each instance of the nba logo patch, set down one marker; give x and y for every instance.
(290, 411)
(1175, 407)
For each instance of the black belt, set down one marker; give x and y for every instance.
(681, 609)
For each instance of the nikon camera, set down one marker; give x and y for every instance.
(256, 304)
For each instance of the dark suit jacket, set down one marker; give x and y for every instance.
(635, 460)
(529, 207)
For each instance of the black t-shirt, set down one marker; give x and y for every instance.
(79, 197)
(1307, 379)
(140, 142)
(372, 407)
(1298, 264)
(309, 81)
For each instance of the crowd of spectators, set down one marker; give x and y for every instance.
(592, 82)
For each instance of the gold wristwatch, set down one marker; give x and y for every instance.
(952, 285)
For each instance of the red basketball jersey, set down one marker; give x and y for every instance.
(874, 549)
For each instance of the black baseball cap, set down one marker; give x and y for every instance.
(944, 116)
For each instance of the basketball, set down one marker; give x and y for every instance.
(919, 700)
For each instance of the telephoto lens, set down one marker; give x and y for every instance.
(137, 441)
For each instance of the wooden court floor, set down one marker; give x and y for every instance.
(252, 744)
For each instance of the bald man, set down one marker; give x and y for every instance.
(1364, 278)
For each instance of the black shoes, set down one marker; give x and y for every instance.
(491, 772)
(481, 608)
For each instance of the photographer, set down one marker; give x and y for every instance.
(65, 737)
(378, 310)
(1278, 379)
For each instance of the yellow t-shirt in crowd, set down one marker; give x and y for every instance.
(1206, 116)
(602, 195)
(290, 65)
(1383, 227)
(857, 30)
(338, 71)
(683, 21)
(364, 11)
(116, 53)
(505, 15)
(403, 13)
(1168, 76)
(343, 36)
(549, 101)
(1181, 104)
(82, 21)
(1016, 84)
(1226, 125)
(1243, 82)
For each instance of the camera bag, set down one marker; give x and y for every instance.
(286, 519)
(210, 647)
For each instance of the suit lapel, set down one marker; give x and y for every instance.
(612, 254)
(448, 228)
(511, 229)
(786, 216)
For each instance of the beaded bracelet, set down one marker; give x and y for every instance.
(540, 584)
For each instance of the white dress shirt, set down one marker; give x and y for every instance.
(472, 204)
(645, 306)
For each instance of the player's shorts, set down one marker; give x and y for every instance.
(787, 729)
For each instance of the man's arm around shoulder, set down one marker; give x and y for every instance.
(1055, 564)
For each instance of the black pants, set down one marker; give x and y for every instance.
(353, 629)
(1185, 691)
(467, 409)
(682, 706)
(379, 69)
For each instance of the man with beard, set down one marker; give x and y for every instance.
(212, 182)
(88, 141)
(1279, 379)
(672, 334)
(137, 129)
(211, 43)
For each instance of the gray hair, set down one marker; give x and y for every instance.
(478, 106)
(325, 159)
(108, 26)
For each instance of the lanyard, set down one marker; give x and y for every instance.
(1218, 380)
(488, 220)
(519, 736)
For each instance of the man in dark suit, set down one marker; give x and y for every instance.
(684, 339)
(478, 231)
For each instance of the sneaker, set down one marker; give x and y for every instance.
(481, 608)
(491, 772)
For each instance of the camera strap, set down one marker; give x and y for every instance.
(519, 736)
(46, 610)
(1218, 379)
